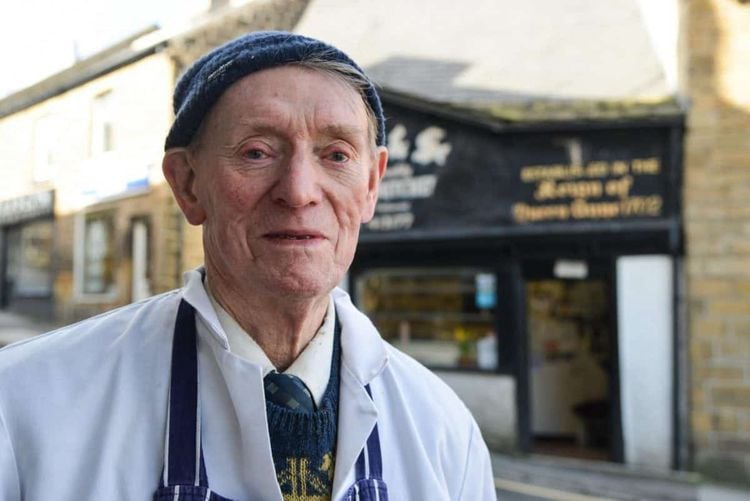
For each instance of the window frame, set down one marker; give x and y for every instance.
(110, 292)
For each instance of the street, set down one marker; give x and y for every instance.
(520, 491)
(549, 478)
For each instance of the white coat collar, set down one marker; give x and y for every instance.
(195, 293)
(362, 349)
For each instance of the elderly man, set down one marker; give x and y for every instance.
(258, 380)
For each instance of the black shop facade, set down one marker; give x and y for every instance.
(536, 268)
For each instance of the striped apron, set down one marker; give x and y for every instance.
(184, 476)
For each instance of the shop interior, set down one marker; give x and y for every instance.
(570, 362)
(443, 317)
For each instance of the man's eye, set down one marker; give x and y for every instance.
(255, 154)
(338, 156)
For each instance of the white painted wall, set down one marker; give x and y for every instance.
(492, 400)
(645, 323)
(661, 19)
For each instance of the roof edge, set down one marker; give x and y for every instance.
(85, 70)
(539, 112)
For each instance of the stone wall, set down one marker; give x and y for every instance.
(715, 49)
(228, 23)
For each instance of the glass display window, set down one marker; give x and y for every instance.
(443, 317)
(98, 254)
(29, 260)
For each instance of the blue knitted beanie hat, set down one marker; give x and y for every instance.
(201, 86)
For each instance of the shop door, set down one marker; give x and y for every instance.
(571, 353)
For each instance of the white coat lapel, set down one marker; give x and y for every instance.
(357, 417)
(363, 357)
(244, 383)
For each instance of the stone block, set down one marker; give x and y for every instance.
(726, 421)
(701, 349)
(729, 307)
(735, 396)
(740, 328)
(706, 328)
(701, 422)
(698, 397)
(713, 287)
(723, 374)
(729, 267)
(734, 445)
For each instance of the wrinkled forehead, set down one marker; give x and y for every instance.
(278, 98)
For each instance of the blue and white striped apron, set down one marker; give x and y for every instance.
(184, 477)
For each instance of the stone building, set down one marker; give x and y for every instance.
(715, 50)
(470, 84)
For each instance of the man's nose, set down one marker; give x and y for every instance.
(298, 183)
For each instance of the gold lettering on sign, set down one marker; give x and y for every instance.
(599, 190)
(547, 190)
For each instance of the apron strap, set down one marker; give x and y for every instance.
(183, 462)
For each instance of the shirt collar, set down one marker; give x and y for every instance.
(312, 366)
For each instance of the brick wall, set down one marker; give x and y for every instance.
(716, 62)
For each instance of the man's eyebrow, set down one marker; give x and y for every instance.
(330, 130)
(259, 126)
(345, 131)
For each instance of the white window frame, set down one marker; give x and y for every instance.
(79, 264)
(102, 124)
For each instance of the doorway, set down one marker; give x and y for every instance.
(571, 346)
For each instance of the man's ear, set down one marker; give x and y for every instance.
(180, 174)
(376, 174)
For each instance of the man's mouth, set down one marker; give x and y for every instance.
(293, 235)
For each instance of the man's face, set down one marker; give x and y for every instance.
(285, 171)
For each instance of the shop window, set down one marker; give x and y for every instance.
(98, 275)
(102, 127)
(29, 260)
(445, 318)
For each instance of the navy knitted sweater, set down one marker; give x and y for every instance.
(304, 444)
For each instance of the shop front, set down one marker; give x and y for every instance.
(535, 269)
(27, 258)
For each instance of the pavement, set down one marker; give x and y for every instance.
(521, 478)
(529, 478)
(15, 327)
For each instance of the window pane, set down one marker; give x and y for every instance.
(98, 251)
(102, 128)
(443, 317)
(30, 260)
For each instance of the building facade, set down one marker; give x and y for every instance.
(716, 76)
(91, 152)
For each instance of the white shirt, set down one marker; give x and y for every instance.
(312, 366)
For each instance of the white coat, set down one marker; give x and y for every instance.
(83, 412)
